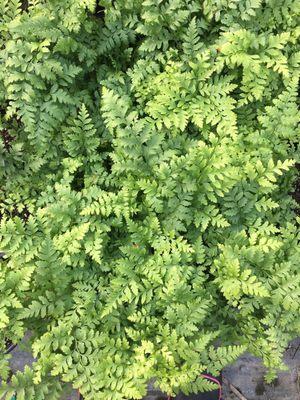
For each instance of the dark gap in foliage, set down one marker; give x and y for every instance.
(24, 5)
(192, 129)
(113, 241)
(140, 196)
(151, 250)
(3, 108)
(259, 313)
(108, 163)
(137, 217)
(7, 139)
(139, 39)
(209, 276)
(78, 181)
(99, 11)
(24, 214)
(296, 193)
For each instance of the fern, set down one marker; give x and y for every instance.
(147, 156)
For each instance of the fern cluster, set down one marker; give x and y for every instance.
(147, 156)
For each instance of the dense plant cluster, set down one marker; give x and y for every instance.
(147, 152)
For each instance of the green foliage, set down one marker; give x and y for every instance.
(147, 155)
